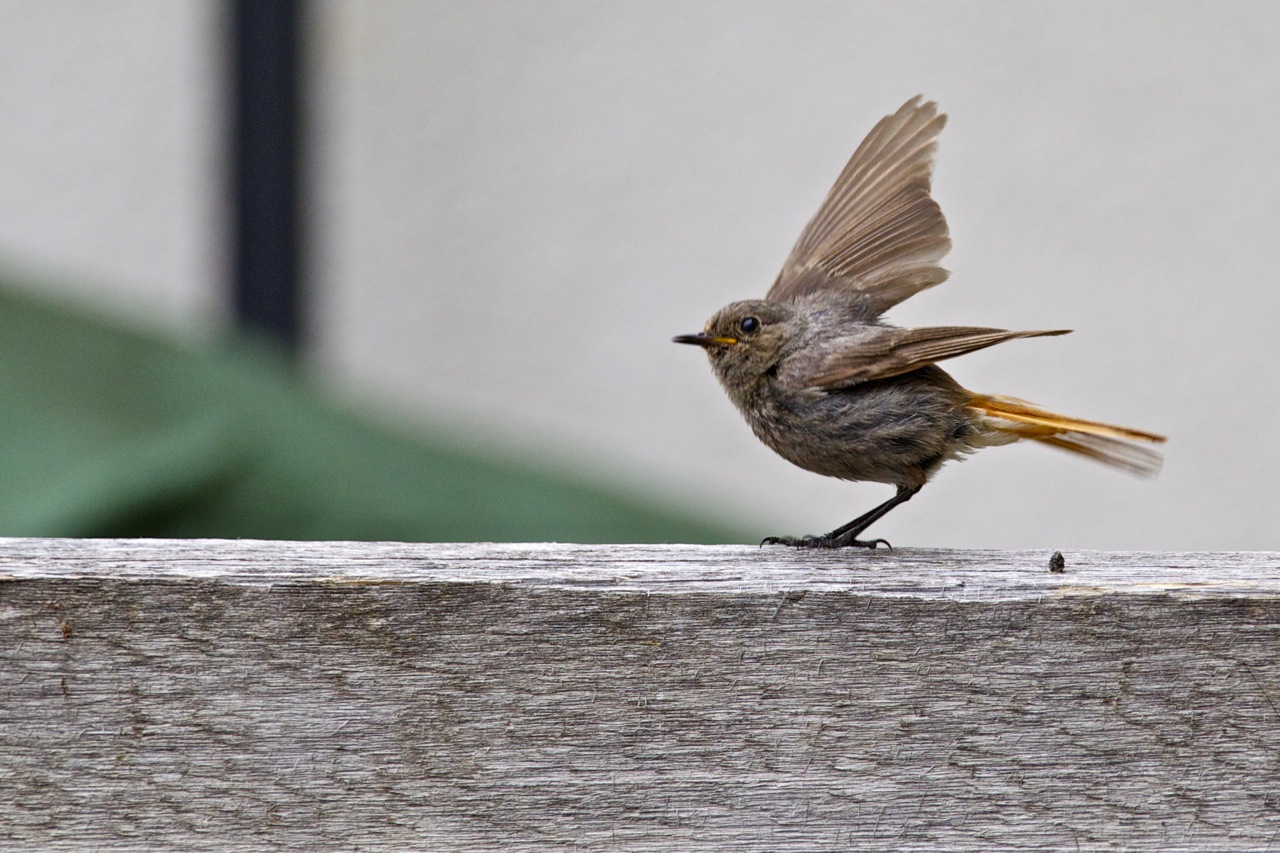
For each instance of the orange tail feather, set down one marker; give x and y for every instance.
(1106, 443)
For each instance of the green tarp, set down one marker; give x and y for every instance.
(107, 431)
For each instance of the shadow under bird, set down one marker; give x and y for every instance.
(829, 386)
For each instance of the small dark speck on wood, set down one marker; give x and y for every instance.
(1057, 563)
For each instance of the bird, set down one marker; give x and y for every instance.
(830, 386)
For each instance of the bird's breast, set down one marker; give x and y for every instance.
(891, 431)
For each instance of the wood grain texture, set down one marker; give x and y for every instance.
(368, 696)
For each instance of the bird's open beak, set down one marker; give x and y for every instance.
(702, 339)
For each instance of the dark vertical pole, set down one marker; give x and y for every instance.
(265, 166)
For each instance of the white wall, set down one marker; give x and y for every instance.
(110, 148)
(519, 203)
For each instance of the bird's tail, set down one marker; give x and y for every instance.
(1011, 419)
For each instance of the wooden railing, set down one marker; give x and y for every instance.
(240, 695)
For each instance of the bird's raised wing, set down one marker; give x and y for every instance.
(890, 352)
(879, 234)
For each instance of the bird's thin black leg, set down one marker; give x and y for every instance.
(847, 535)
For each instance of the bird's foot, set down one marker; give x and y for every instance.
(825, 541)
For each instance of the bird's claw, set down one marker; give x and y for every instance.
(826, 541)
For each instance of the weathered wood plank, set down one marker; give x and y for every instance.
(248, 695)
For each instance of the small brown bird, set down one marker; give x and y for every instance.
(832, 388)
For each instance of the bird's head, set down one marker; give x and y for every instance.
(746, 340)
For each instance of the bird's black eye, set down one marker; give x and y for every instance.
(749, 325)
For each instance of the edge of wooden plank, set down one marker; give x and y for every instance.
(652, 569)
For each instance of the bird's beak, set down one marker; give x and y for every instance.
(704, 340)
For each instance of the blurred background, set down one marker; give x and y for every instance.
(408, 270)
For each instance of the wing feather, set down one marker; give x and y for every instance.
(891, 352)
(879, 233)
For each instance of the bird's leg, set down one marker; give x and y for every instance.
(847, 535)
